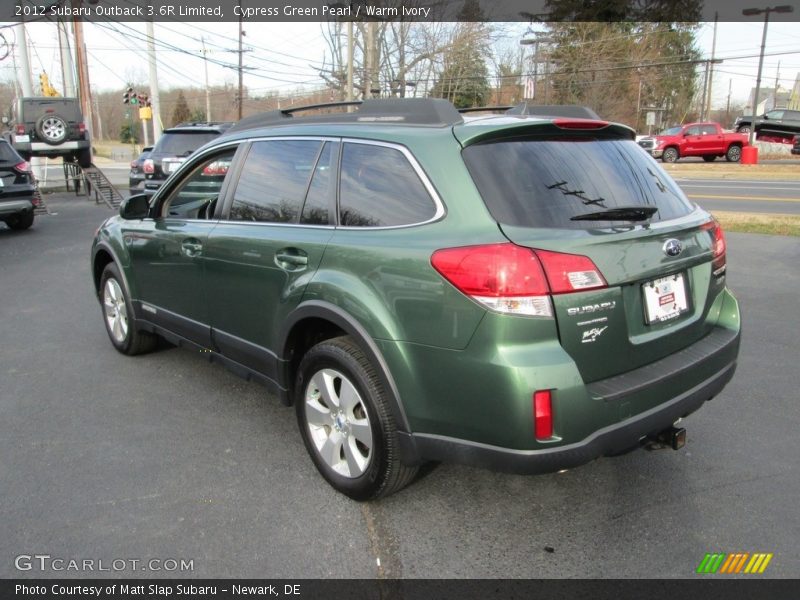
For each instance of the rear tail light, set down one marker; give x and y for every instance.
(20, 129)
(719, 248)
(149, 166)
(134, 164)
(81, 128)
(511, 279)
(542, 414)
(23, 167)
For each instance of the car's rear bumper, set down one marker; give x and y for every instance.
(608, 441)
(493, 413)
(20, 203)
(43, 149)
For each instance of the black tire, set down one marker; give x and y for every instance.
(734, 154)
(84, 158)
(342, 428)
(131, 341)
(743, 129)
(20, 221)
(709, 157)
(52, 129)
(670, 155)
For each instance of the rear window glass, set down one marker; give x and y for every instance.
(184, 143)
(544, 183)
(7, 153)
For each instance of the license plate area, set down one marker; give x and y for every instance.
(665, 298)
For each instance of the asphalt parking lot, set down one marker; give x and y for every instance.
(167, 456)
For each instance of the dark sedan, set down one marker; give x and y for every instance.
(17, 191)
(136, 176)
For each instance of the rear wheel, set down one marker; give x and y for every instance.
(20, 221)
(118, 315)
(670, 155)
(709, 157)
(346, 422)
(84, 158)
(734, 154)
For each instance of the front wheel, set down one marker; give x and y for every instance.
(734, 154)
(118, 315)
(346, 421)
(670, 155)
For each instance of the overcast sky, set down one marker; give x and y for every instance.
(285, 56)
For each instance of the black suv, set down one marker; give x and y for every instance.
(50, 127)
(17, 192)
(780, 122)
(172, 149)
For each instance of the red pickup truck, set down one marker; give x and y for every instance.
(696, 139)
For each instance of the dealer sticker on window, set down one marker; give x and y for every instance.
(665, 298)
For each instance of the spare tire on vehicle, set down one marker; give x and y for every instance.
(52, 129)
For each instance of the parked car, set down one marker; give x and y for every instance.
(136, 176)
(708, 140)
(17, 191)
(50, 127)
(172, 149)
(779, 123)
(796, 145)
(519, 293)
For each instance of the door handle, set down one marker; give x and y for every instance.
(291, 259)
(191, 247)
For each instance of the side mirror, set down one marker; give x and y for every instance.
(135, 208)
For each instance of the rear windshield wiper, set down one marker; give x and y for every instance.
(621, 213)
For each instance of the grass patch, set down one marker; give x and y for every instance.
(759, 223)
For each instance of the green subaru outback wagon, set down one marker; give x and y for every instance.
(523, 293)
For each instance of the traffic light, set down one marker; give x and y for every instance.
(144, 100)
(126, 97)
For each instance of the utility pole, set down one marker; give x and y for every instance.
(208, 94)
(84, 92)
(154, 97)
(728, 105)
(97, 114)
(705, 89)
(777, 80)
(241, 83)
(24, 61)
(710, 69)
(349, 96)
(67, 67)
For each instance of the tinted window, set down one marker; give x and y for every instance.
(196, 196)
(183, 143)
(545, 183)
(317, 207)
(775, 114)
(274, 181)
(379, 188)
(709, 130)
(8, 154)
(692, 131)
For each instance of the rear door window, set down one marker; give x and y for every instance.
(544, 183)
(274, 180)
(380, 188)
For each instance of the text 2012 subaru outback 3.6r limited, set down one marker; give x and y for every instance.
(520, 293)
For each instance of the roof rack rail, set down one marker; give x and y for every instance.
(485, 109)
(572, 111)
(395, 111)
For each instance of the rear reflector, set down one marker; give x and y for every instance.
(511, 279)
(542, 414)
(20, 129)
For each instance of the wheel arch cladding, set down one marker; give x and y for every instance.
(334, 322)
